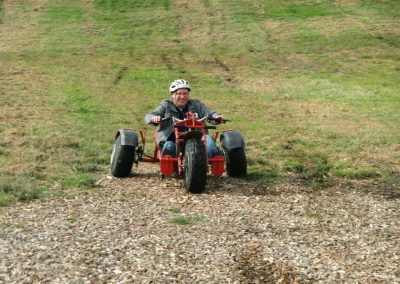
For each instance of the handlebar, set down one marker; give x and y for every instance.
(209, 119)
(217, 120)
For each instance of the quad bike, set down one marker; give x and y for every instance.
(191, 162)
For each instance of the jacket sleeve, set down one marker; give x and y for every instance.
(205, 111)
(159, 111)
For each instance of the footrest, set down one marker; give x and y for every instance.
(217, 165)
(167, 165)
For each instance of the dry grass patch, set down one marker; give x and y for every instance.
(19, 29)
(38, 141)
(332, 26)
(26, 115)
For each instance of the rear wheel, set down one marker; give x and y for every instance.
(195, 166)
(236, 162)
(122, 158)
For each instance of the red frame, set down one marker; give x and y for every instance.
(167, 163)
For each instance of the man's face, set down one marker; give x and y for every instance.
(180, 98)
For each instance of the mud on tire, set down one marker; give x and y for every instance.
(122, 159)
(195, 166)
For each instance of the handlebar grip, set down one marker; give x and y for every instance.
(217, 120)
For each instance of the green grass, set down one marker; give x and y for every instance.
(352, 172)
(313, 86)
(77, 181)
(18, 225)
(6, 199)
(23, 188)
(187, 220)
(1, 11)
(175, 210)
(130, 6)
(27, 195)
(282, 10)
(308, 165)
(314, 214)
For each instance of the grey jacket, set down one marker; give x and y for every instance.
(167, 109)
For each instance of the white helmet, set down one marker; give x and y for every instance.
(179, 84)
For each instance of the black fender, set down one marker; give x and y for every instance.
(231, 140)
(128, 137)
(190, 135)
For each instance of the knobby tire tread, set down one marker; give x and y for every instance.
(195, 166)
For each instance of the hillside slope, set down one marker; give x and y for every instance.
(312, 85)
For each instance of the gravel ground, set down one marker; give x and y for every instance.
(147, 230)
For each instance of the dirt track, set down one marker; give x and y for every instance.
(239, 232)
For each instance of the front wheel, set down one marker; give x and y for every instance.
(236, 162)
(195, 166)
(122, 158)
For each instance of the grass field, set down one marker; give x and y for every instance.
(314, 86)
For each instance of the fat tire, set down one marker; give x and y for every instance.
(236, 162)
(195, 166)
(122, 159)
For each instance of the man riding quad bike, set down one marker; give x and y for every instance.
(183, 144)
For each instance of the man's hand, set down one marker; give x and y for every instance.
(156, 119)
(215, 119)
(219, 119)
